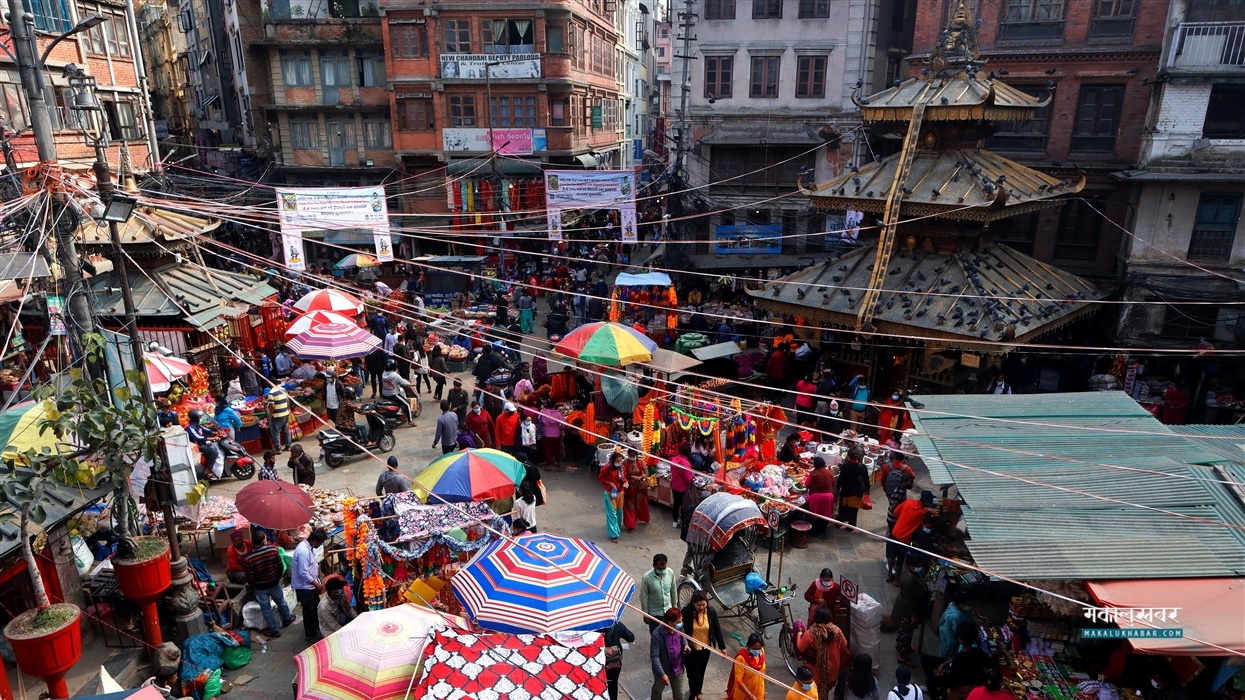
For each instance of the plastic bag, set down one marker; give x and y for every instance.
(211, 688)
(236, 657)
(754, 582)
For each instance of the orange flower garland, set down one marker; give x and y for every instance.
(360, 547)
(350, 523)
(615, 311)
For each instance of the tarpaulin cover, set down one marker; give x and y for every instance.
(1211, 611)
(719, 517)
(513, 667)
(647, 279)
(417, 520)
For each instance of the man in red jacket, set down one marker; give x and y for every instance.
(909, 516)
(506, 430)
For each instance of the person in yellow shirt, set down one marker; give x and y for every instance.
(805, 688)
(747, 679)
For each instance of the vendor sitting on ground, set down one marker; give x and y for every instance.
(791, 449)
(235, 556)
(335, 609)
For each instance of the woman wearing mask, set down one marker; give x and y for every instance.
(805, 687)
(668, 654)
(421, 364)
(635, 504)
(857, 682)
(747, 679)
(892, 419)
(615, 482)
(824, 646)
(701, 624)
(527, 438)
(820, 496)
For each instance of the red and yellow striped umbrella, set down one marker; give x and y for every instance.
(373, 657)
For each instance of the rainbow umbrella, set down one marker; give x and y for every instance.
(330, 300)
(356, 260)
(470, 475)
(610, 344)
(333, 341)
(542, 583)
(375, 656)
(303, 323)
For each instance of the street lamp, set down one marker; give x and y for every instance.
(120, 208)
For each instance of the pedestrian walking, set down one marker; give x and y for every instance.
(447, 429)
(615, 635)
(551, 434)
(824, 646)
(392, 480)
(438, 369)
(263, 571)
(657, 591)
(277, 405)
(905, 689)
(667, 650)
(422, 366)
(525, 508)
(700, 622)
(635, 502)
(614, 480)
(910, 606)
(805, 687)
(858, 682)
(820, 486)
(303, 466)
(747, 678)
(852, 485)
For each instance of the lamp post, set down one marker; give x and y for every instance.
(118, 208)
(30, 67)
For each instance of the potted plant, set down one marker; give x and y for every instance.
(46, 641)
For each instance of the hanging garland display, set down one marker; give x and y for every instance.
(702, 424)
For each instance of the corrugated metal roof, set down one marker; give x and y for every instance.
(1227, 441)
(20, 266)
(971, 184)
(1023, 528)
(204, 294)
(148, 225)
(63, 503)
(953, 295)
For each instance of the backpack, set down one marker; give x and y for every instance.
(914, 693)
(860, 395)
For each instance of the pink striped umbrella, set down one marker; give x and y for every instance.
(330, 300)
(303, 323)
(161, 370)
(333, 341)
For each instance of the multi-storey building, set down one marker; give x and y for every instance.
(324, 106)
(108, 51)
(535, 83)
(1188, 186)
(1097, 60)
(768, 97)
(163, 43)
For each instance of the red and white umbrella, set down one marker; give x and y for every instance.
(304, 323)
(330, 300)
(162, 371)
(333, 341)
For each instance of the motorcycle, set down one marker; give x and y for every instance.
(336, 446)
(394, 412)
(238, 463)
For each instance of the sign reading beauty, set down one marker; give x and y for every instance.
(332, 209)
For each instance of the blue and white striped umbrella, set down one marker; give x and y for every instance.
(543, 583)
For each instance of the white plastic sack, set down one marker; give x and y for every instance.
(866, 620)
(82, 555)
(253, 618)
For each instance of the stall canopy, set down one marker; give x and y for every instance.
(716, 351)
(670, 362)
(1081, 486)
(202, 297)
(1211, 612)
(647, 279)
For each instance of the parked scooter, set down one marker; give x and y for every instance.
(238, 463)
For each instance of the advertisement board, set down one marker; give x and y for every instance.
(591, 189)
(331, 209)
(748, 239)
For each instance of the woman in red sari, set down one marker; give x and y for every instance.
(635, 504)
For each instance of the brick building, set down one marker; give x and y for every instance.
(542, 77)
(318, 91)
(1100, 59)
(1189, 185)
(110, 53)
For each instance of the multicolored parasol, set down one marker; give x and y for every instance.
(333, 341)
(162, 370)
(278, 505)
(303, 323)
(356, 260)
(375, 656)
(611, 344)
(330, 300)
(20, 431)
(470, 475)
(542, 583)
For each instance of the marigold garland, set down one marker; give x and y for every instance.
(615, 311)
(350, 524)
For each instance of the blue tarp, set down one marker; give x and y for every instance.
(658, 279)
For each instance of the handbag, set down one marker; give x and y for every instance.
(866, 502)
(613, 658)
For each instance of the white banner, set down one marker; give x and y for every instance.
(591, 189)
(332, 209)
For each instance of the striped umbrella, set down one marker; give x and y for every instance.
(330, 300)
(161, 370)
(610, 344)
(542, 583)
(333, 341)
(373, 657)
(470, 475)
(303, 323)
(356, 260)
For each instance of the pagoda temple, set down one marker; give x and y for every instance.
(934, 276)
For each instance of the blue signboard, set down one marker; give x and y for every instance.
(751, 239)
(639, 150)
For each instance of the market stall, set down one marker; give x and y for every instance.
(651, 296)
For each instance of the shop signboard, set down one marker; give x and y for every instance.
(748, 239)
(591, 189)
(506, 142)
(331, 209)
(481, 66)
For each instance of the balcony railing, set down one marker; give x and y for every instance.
(1208, 46)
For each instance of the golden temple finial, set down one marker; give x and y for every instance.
(957, 47)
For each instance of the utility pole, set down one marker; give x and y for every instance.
(31, 70)
(687, 22)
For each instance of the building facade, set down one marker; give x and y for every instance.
(1188, 187)
(768, 96)
(163, 44)
(1098, 59)
(109, 52)
(535, 84)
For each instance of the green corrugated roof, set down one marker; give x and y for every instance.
(1024, 527)
(204, 294)
(1227, 441)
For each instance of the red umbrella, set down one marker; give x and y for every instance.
(278, 505)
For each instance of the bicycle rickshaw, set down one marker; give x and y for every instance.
(722, 538)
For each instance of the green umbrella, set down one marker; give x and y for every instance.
(620, 392)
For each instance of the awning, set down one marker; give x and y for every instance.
(19, 266)
(714, 352)
(670, 362)
(1211, 611)
(755, 134)
(647, 279)
(349, 236)
(481, 167)
(586, 160)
